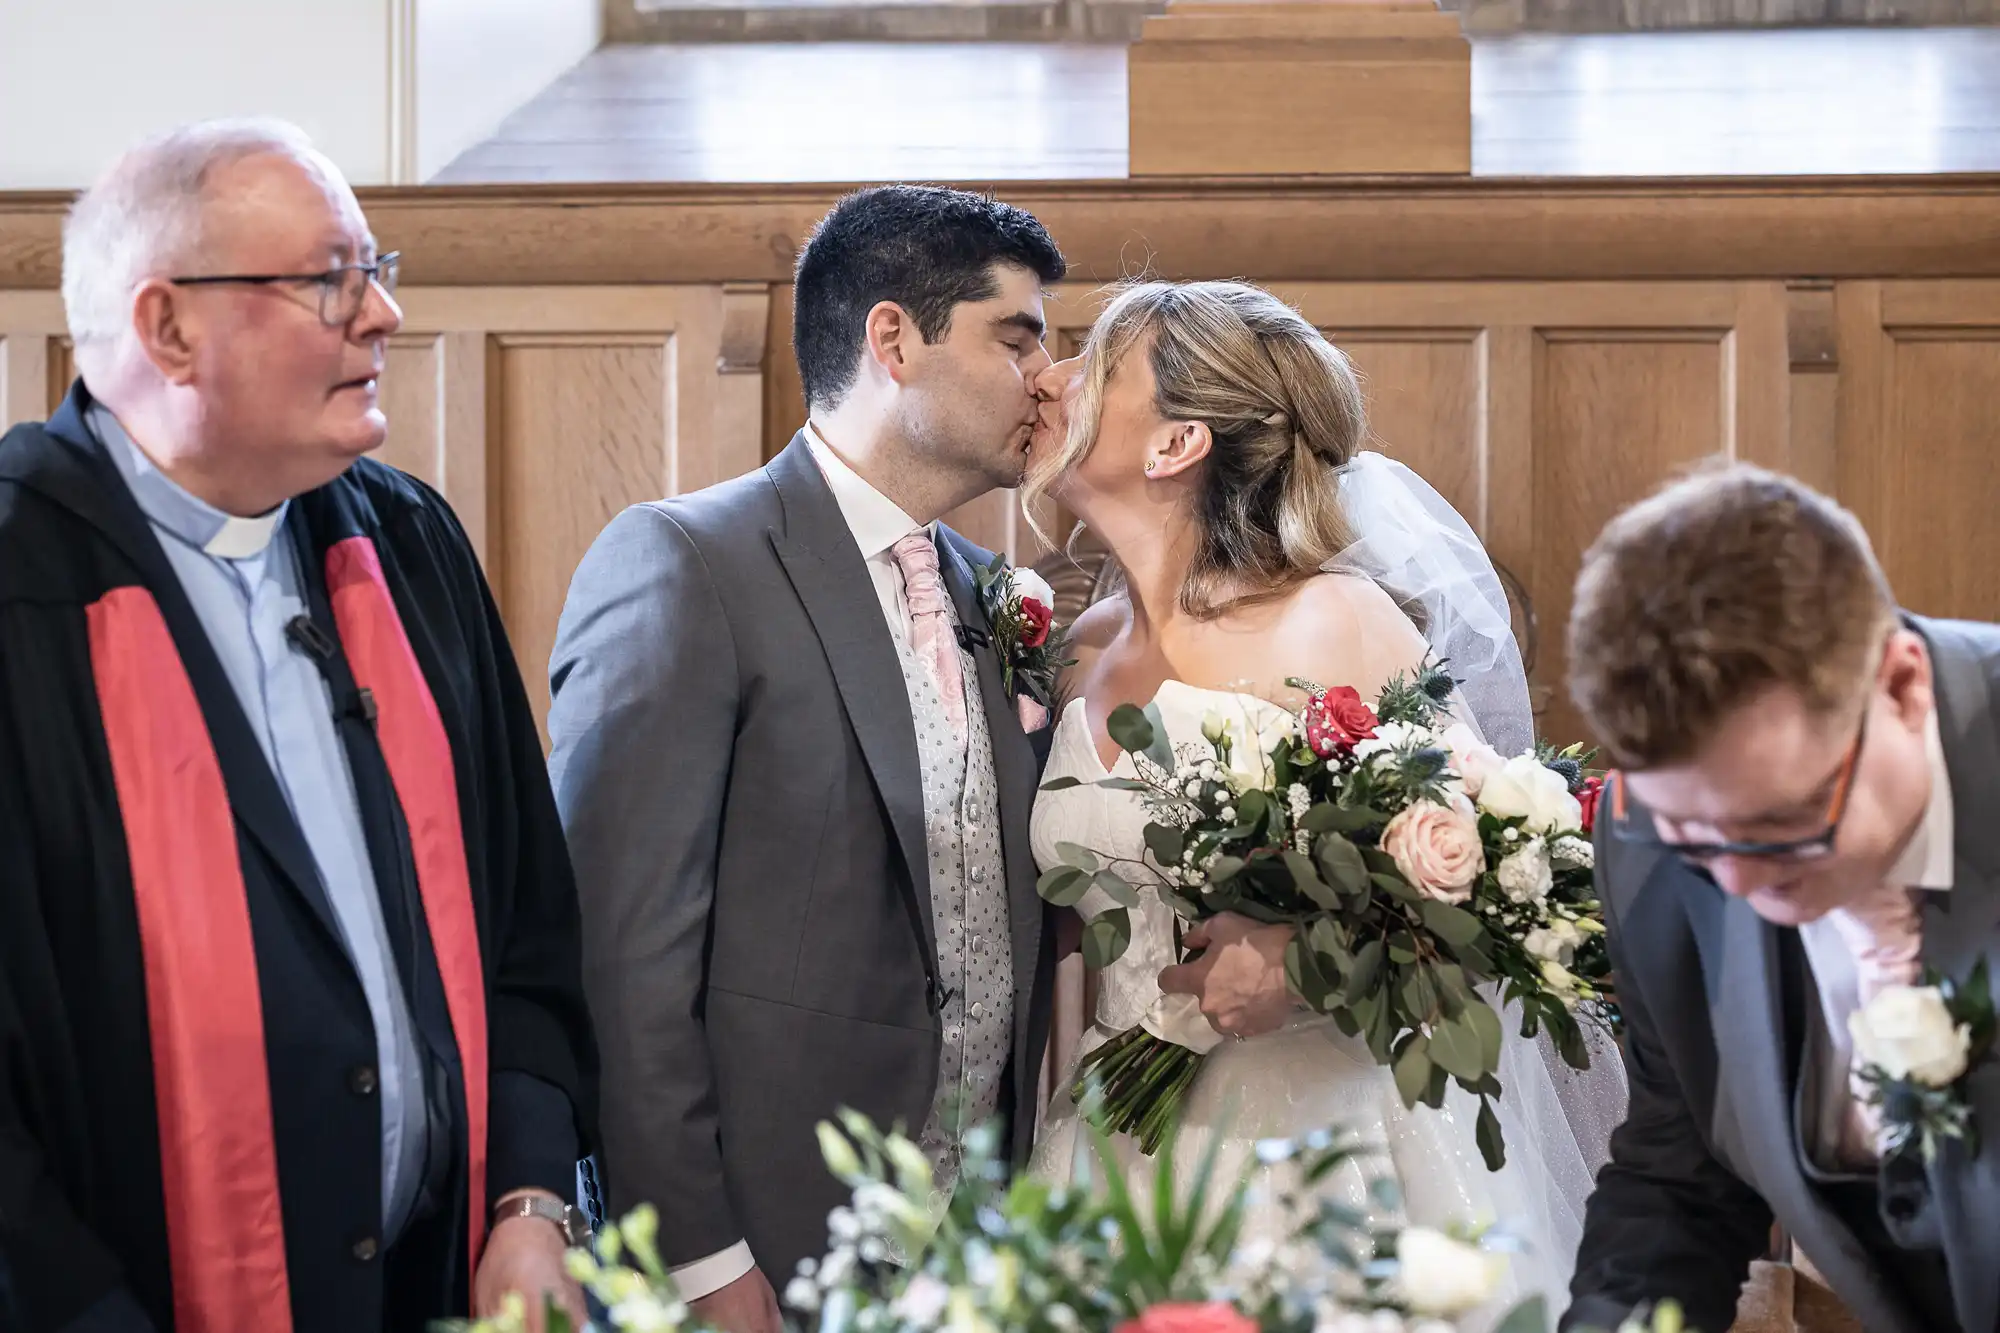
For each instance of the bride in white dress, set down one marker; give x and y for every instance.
(1210, 437)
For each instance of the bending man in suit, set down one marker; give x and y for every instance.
(1804, 817)
(796, 791)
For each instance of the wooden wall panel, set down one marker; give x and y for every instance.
(412, 385)
(1426, 408)
(34, 356)
(1615, 415)
(584, 429)
(1919, 437)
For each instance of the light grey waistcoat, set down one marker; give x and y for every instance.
(969, 909)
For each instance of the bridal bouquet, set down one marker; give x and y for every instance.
(1429, 883)
(1032, 1256)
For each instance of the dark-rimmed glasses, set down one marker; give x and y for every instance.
(341, 290)
(1811, 848)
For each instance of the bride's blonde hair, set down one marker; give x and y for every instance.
(1284, 407)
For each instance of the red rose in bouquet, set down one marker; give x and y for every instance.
(1337, 721)
(1587, 798)
(1183, 1317)
(1036, 618)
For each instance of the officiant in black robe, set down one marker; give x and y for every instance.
(292, 1033)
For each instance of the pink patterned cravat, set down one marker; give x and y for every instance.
(1885, 933)
(930, 624)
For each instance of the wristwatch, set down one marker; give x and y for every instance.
(572, 1222)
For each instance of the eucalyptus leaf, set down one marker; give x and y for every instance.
(1122, 784)
(1303, 975)
(1420, 997)
(1487, 1131)
(1225, 869)
(1530, 1316)
(1486, 1024)
(1453, 988)
(1456, 1046)
(1117, 887)
(1106, 937)
(1063, 886)
(1307, 881)
(1061, 784)
(1454, 925)
(1569, 1040)
(1166, 843)
(1413, 1071)
(1341, 862)
(1130, 729)
(1074, 854)
(1366, 972)
(1396, 887)
(1161, 751)
(1327, 817)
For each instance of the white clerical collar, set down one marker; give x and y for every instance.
(174, 510)
(876, 521)
(1929, 861)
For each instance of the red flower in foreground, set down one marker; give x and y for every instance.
(1338, 721)
(1587, 798)
(1036, 617)
(1214, 1317)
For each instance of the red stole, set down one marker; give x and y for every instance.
(218, 1160)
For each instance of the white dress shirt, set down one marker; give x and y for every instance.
(877, 523)
(1927, 863)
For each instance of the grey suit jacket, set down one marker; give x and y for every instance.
(1713, 1001)
(737, 770)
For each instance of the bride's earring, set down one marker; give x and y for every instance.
(1150, 464)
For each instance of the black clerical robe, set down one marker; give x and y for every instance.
(190, 1125)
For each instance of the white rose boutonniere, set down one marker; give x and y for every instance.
(1912, 1048)
(1020, 612)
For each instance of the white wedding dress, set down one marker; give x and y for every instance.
(1308, 1075)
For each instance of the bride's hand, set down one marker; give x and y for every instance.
(1239, 979)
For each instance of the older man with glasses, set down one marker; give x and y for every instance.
(292, 1032)
(1805, 820)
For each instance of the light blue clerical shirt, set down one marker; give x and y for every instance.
(246, 587)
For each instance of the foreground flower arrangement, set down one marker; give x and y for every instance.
(1430, 882)
(1032, 1257)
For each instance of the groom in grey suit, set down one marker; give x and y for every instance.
(796, 794)
(1808, 814)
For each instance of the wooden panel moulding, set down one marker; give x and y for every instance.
(1393, 229)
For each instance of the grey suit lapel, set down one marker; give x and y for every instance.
(1014, 769)
(1960, 928)
(1753, 1103)
(826, 569)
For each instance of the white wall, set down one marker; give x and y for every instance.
(391, 90)
(478, 60)
(80, 80)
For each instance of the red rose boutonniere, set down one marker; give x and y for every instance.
(1020, 611)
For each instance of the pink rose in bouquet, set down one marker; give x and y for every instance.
(1437, 848)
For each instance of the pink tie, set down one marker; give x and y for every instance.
(930, 624)
(1885, 934)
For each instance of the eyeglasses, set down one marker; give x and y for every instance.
(1812, 848)
(341, 290)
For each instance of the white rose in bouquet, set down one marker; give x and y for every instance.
(1440, 1276)
(1527, 789)
(1907, 1032)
